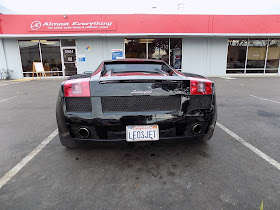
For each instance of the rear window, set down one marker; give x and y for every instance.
(125, 67)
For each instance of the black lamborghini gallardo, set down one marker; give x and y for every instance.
(135, 100)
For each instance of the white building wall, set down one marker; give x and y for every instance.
(194, 55)
(218, 56)
(205, 55)
(101, 49)
(13, 59)
(113, 43)
(3, 65)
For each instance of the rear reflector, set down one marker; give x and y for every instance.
(77, 88)
(201, 88)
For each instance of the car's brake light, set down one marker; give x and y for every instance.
(77, 88)
(201, 88)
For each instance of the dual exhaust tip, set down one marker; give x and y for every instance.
(83, 132)
(197, 128)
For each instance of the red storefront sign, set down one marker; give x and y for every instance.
(70, 24)
(139, 24)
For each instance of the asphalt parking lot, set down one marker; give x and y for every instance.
(224, 173)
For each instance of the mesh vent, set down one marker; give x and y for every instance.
(141, 103)
(200, 102)
(78, 104)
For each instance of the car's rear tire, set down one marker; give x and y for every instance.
(68, 142)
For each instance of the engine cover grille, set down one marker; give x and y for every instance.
(78, 104)
(141, 103)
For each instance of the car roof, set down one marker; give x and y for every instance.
(134, 60)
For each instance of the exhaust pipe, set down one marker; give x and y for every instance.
(197, 128)
(84, 132)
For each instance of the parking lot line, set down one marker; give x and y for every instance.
(7, 99)
(25, 160)
(11, 82)
(265, 99)
(250, 146)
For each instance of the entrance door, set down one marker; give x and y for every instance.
(69, 60)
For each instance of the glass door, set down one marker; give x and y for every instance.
(69, 60)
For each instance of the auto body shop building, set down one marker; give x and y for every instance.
(211, 45)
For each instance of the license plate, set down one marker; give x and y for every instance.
(136, 133)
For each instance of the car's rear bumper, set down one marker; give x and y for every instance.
(104, 130)
(114, 128)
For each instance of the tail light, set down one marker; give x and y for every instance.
(201, 87)
(77, 88)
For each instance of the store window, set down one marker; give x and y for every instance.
(253, 56)
(45, 51)
(236, 55)
(273, 56)
(167, 49)
(51, 57)
(256, 55)
(158, 49)
(135, 48)
(30, 52)
(68, 42)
